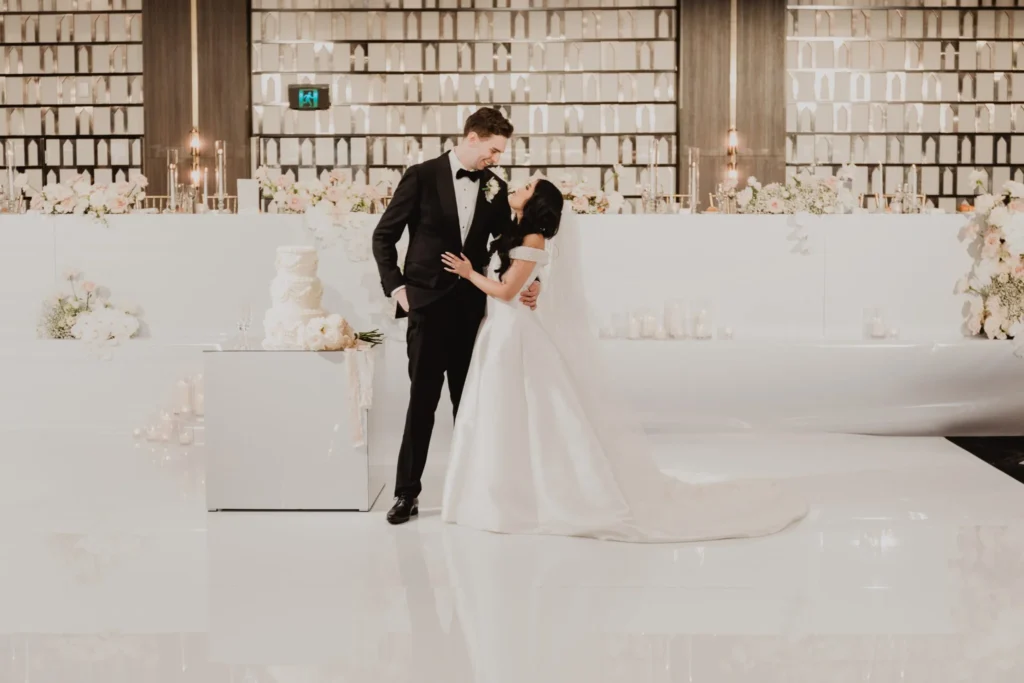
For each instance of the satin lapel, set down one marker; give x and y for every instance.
(446, 194)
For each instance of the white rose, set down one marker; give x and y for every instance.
(962, 285)
(1013, 234)
(974, 324)
(1014, 188)
(316, 342)
(333, 339)
(744, 196)
(992, 326)
(984, 203)
(986, 269)
(999, 216)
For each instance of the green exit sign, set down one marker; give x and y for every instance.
(309, 97)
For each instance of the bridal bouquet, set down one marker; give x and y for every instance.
(333, 333)
(85, 314)
(995, 285)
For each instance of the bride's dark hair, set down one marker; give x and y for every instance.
(541, 216)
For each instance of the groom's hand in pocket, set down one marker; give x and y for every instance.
(529, 297)
(402, 299)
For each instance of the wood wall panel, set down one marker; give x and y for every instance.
(704, 89)
(166, 48)
(224, 86)
(761, 95)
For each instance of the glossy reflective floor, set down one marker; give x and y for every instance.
(909, 568)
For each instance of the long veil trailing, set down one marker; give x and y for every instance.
(661, 508)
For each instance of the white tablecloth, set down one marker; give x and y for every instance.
(194, 276)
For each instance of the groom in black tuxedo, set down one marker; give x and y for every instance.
(450, 204)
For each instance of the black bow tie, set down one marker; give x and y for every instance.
(475, 176)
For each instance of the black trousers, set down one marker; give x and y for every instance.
(440, 340)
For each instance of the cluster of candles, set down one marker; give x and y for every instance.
(177, 424)
(675, 324)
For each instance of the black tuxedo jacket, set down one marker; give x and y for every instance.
(424, 201)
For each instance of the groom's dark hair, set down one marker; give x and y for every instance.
(488, 122)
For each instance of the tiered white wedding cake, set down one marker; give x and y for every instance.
(295, 295)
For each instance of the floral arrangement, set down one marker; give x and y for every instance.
(588, 200)
(79, 197)
(804, 193)
(995, 285)
(89, 316)
(332, 192)
(333, 333)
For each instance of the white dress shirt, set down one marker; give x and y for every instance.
(466, 192)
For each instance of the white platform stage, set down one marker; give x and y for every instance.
(908, 568)
(793, 290)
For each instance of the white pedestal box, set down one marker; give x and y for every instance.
(279, 433)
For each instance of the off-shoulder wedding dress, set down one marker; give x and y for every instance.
(536, 452)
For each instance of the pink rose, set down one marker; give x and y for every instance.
(296, 203)
(89, 287)
(118, 204)
(335, 194)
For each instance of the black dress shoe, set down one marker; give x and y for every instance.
(404, 508)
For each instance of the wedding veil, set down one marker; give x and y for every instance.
(566, 317)
(661, 508)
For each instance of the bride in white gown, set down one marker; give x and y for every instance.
(537, 449)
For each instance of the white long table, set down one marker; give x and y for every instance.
(799, 360)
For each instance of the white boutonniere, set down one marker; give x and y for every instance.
(491, 189)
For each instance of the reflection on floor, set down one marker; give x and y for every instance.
(909, 568)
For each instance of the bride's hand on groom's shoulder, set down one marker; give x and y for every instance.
(529, 296)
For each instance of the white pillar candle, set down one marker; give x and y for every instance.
(661, 333)
(10, 170)
(877, 328)
(650, 326)
(186, 436)
(183, 396)
(167, 426)
(635, 327)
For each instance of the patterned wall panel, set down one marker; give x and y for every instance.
(587, 83)
(932, 83)
(71, 87)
